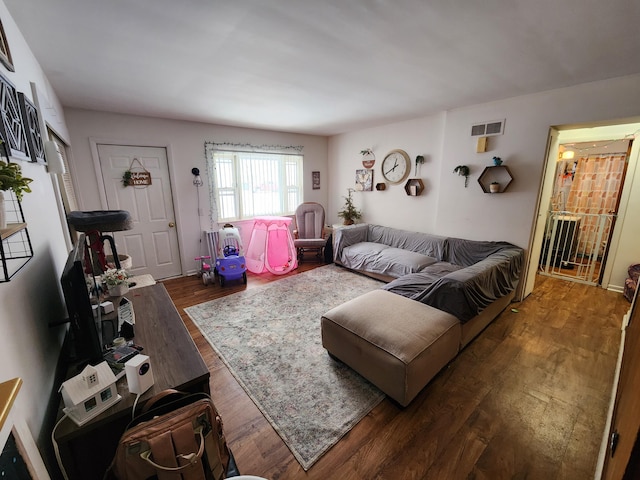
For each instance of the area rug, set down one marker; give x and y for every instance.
(269, 337)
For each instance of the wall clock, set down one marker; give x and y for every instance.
(396, 166)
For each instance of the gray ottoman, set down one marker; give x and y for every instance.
(396, 343)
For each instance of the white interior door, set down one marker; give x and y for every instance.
(152, 243)
(544, 196)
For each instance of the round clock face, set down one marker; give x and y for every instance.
(396, 166)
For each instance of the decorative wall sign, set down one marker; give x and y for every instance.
(11, 127)
(136, 176)
(315, 180)
(31, 125)
(5, 53)
(140, 179)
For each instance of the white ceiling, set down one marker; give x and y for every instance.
(325, 66)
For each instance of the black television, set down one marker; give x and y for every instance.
(84, 337)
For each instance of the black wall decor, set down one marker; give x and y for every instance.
(31, 127)
(5, 53)
(11, 127)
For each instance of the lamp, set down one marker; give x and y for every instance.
(568, 154)
(197, 181)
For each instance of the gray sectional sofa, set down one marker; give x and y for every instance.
(446, 291)
(458, 276)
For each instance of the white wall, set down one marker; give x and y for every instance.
(391, 207)
(185, 149)
(28, 347)
(446, 207)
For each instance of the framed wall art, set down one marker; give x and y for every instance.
(5, 53)
(315, 180)
(364, 180)
(11, 126)
(31, 125)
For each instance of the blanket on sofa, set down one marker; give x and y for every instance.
(456, 275)
(464, 291)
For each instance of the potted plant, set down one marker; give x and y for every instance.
(11, 179)
(368, 158)
(494, 187)
(349, 212)
(463, 171)
(419, 161)
(116, 281)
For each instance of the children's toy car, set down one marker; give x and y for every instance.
(231, 264)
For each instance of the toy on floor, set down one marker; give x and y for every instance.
(230, 264)
(205, 269)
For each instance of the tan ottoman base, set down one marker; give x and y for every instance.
(396, 343)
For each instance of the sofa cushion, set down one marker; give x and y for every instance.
(380, 258)
(358, 255)
(464, 292)
(365, 248)
(398, 262)
(412, 285)
(425, 243)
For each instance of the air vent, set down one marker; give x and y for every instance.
(487, 129)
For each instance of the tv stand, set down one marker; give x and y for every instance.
(87, 451)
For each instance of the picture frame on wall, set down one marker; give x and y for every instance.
(31, 125)
(364, 180)
(315, 180)
(5, 53)
(11, 126)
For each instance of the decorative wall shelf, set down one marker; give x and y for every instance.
(15, 244)
(495, 173)
(15, 249)
(414, 187)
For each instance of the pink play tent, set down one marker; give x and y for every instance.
(271, 246)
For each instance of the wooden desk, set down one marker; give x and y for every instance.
(176, 363)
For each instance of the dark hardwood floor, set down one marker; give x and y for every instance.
(527, 399)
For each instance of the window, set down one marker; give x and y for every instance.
(249, 184)
(66, 191)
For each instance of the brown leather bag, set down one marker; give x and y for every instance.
(178, 437)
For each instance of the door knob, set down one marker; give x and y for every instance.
(172, 224)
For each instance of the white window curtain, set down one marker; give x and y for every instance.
(247, 181)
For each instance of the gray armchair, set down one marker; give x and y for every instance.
(309, 230)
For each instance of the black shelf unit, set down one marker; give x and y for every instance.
(15, 248)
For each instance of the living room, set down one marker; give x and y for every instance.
(31, 300)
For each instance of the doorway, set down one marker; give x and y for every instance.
(621, 236)
(152, 243)
(582, 212)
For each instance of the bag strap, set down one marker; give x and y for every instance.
(163, 402)
(159, 397)
(162, 451)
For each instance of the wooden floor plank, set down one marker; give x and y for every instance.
(526, 399)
